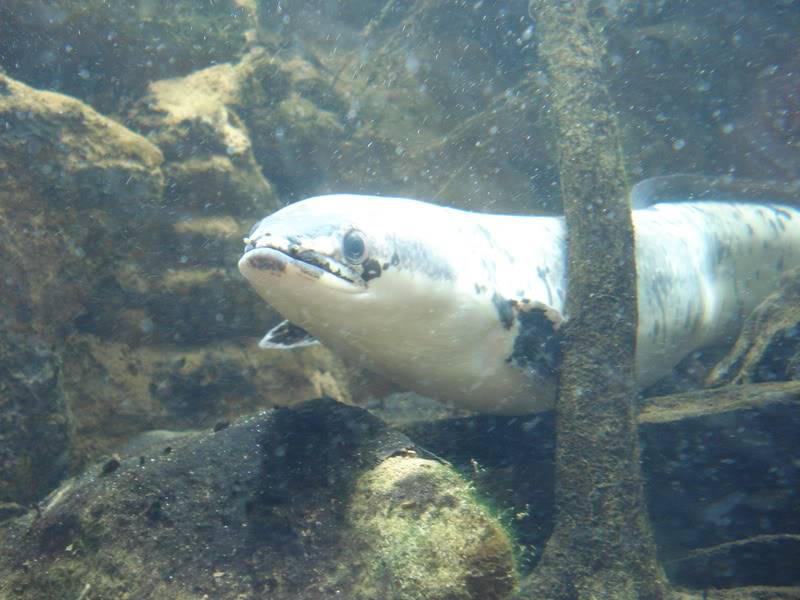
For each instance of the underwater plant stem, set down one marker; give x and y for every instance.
(601, 545)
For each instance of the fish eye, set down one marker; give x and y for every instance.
(354, 247)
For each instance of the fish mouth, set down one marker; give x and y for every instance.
(305, 263)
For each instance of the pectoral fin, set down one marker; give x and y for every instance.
(286, 335)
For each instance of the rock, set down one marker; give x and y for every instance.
(189, 305)
(70, 180)
(222, 127)
(721, 469)
(768, 347)
(511, 464)
(142, 305)
(722, 474)
(35, 424)
(194, 119)
(274, 505)
(746, 593)
(178, 388)
(296, 141)
(58, 145)
(419, 521)
(102, 52)
(413, 125)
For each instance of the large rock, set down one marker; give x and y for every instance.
(225, 128)
(723, 477)
(75, 187)
(194, 119)
(722, 471)
(314, 502)
(116, 390)
(138, 308)
(70, 182)
(103, 51)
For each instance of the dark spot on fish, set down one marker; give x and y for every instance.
(414, 254)
(480, 289)
(542, 272)
(267, 263)
(505, 310)
(537, 345)
(783, 213)
(722, 251)
(370, 269)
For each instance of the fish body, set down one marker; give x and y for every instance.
(465, 307)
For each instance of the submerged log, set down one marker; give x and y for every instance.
(601, 544)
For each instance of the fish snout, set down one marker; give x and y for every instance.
(263, 240)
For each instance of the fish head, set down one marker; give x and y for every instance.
(345, 263)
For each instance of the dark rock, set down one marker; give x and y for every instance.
(35, 424)
(306, 503)
(102, 52)
(768, 347)
(722, 471)
(70, 181)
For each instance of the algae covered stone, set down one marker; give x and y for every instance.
(312, 502)
(426, 536)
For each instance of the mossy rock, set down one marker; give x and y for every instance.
(426, 537)
(287, 504)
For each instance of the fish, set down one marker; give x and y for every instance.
(466, 307)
